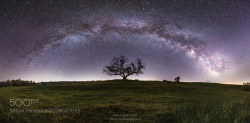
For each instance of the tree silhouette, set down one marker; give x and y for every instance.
(119, 66)
(177, 79)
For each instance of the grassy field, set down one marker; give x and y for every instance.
(123, 101)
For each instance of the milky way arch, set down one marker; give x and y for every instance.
(192, 46)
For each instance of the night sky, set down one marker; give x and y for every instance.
(198, 40)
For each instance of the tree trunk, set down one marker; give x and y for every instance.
(124, 77)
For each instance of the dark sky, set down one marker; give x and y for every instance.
(198, 40)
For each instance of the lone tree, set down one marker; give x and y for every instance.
(120, 66)
(177, 79)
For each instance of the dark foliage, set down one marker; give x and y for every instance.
(119, 66)
(177, 79)
(167, 81)
(17, 82)
(246, 86)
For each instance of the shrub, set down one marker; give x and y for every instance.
(177, 79)
(246, 86)
(167, 81)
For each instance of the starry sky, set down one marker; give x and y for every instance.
(198, 40)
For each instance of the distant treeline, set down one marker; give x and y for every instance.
(17, 82)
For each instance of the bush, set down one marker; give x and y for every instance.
(177, 79)
(246, 86)
(167, 81)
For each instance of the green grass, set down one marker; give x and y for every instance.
(145, 101)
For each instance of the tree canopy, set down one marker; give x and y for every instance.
(120, 66)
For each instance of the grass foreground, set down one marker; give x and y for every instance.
(123, 101)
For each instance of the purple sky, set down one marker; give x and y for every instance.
(198, 40)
